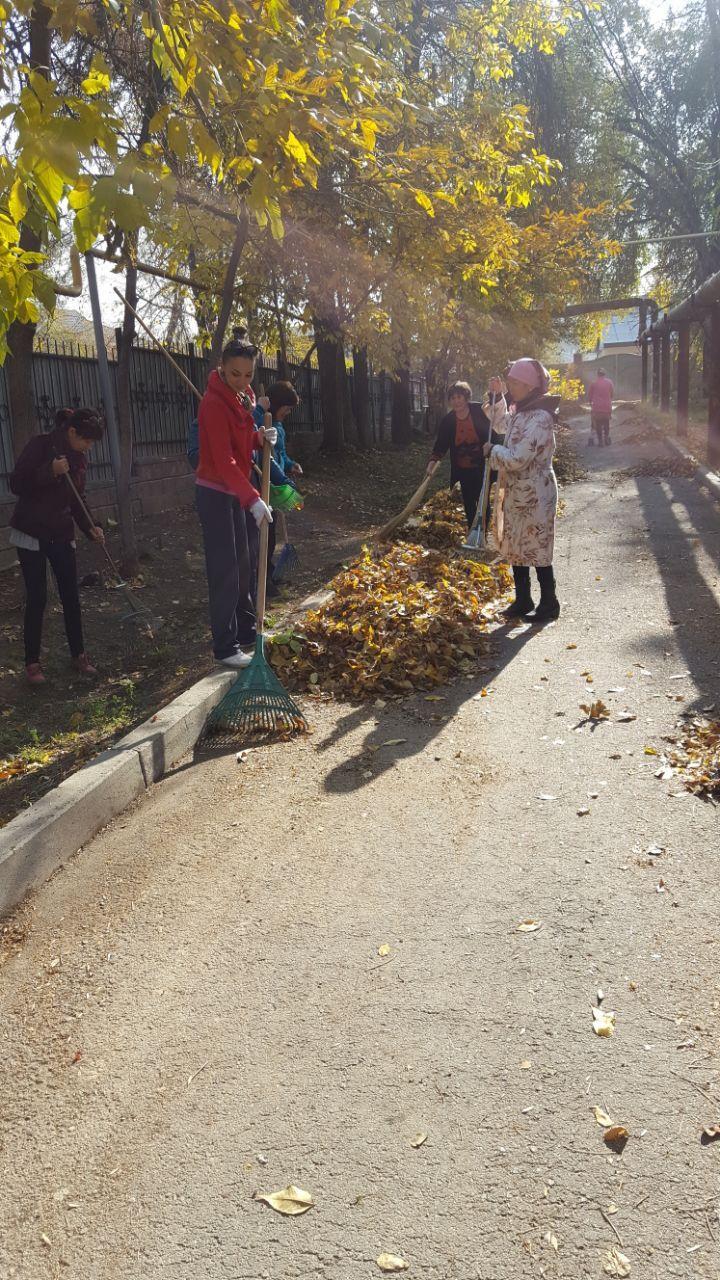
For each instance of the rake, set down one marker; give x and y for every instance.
(476, 544)
(288, 561)
(139, 614)
(256, 703)
(417, 499)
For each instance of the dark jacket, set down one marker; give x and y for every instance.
(445, 440)
(46, 506)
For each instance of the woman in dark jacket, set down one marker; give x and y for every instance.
(463, 432)
(42, 528)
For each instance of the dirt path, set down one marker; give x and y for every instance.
(199, 1009)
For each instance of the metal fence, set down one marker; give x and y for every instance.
(65, 375)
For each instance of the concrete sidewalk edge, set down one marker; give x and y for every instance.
(38, 841)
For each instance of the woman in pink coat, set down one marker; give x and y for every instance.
(526, 506)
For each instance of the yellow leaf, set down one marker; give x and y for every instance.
(368, 129)
(425, 203)
(390, 1262)
(17, 201)
(384, 950)
(529, 926)
(291, 1201)
(602, 1117)
(418, 1140)
(296, 148)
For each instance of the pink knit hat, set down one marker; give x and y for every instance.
(531, 372)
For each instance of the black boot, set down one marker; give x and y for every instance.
(549, 607)
(523, 602)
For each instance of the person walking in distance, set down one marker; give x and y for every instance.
(600, 395)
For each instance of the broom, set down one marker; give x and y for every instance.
(256, 702)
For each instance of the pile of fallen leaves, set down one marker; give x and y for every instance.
(662, 467)
(566, 464)
(439, 525)
(396, 622)
(696, 756)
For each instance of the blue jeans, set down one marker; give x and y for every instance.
(228, 562)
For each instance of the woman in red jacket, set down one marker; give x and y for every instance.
(42, 528)
(224, 492)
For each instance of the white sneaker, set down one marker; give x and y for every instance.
(236, 660)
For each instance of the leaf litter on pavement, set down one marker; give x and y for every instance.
(403, 620)
(391, 1262)
(695, 756)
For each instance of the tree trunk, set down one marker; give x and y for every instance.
(401, 419)
(436, 376)
(129, 563)
(228, 291)
(22, 336)
(362, 396)
(331, 390)
(349, 424)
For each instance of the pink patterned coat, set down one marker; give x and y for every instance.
(526, 505)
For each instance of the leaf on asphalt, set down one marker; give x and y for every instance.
(384, 949)
(571, 646)
(526, 1065)
(552, 1240)
(529, 926)
(616, 1263)
(583, 811)
(603, 1022)
(625, 717)
(650, 751)
(711, 1133)
(291, 1201)
(394, 742)
(418, 1140)
(616, 1137)
(654, 850)
(602, 1117)
(544, 796)
(596, 710)
(391, 1262)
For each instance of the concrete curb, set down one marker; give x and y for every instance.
(38, 841)
(709, 477)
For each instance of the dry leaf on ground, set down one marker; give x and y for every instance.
(291, 1201)
(603, 1022)
(596, 710)
(391, 1262)
(418, 1140)
(602, 1117)
(616, 1263)
(696, 756)
(711, 1133)
(384, 950)
(552, 1240)
(616, 1137)
(529, 926)
(625, 717)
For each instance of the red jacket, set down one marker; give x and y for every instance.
(228, 438)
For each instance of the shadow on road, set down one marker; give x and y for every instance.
(417, 721)
(683, 522)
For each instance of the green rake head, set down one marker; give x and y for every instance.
(256, 705)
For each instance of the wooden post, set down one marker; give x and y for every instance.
(712, 375)
(683, 378)
(643, 353)
(665, 371)
(655, 369)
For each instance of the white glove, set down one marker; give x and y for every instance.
(264, 402)
(261, 511)
(270, 434)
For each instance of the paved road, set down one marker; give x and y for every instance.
(199, 1009)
